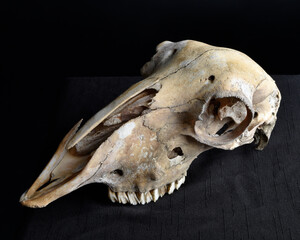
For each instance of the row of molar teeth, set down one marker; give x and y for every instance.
(135, 198)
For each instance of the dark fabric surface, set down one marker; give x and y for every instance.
(239, 194)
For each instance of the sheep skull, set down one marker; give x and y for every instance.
(194, 97)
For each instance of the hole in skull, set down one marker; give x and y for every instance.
(175, 152)
(223, 129)
(117, 172)
(211, 78)
(47, 184)
(133, 108)
(174, 51)
(214, 107)
(152, 177)
(255, 115)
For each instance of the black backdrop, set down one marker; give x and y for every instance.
(96, 38)
(44, 42)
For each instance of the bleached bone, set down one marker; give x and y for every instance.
(195, 97)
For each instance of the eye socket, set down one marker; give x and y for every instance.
(117, 172)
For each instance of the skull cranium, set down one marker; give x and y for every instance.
(194, 97)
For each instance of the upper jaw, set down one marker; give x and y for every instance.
(135, 198)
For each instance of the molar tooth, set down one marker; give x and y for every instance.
(141, 197)
(171, 187)
(155, 194)
(122, 197)
(162, 190)
(136, 198)
(179, 182)
(133, 199)
(112, 195)
(148, 197)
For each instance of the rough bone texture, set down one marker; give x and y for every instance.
(194, 97)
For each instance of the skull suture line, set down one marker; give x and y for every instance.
(194, 97)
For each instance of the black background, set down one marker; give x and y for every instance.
(239, 194)
(96, 38)
(44, 43)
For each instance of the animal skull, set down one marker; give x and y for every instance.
(194, 97)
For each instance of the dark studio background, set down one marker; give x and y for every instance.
(50, 49)
(96, 38)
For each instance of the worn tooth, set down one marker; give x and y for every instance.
(141, 197)
(155, 194)
(136, 198)
(171, 187)
(112, 195)
(133, 199)
(148, 197)
(185, 173)
(179, 182)
(122, 197)
(162, 190)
